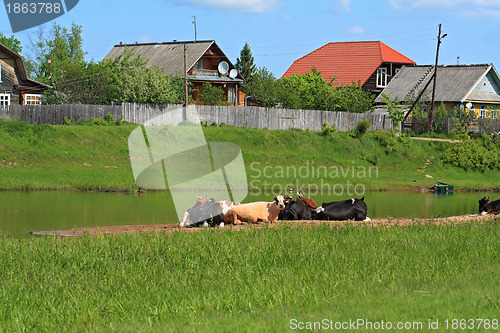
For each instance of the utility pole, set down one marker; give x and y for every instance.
(431, 111)
(185, 84)
(194, 22)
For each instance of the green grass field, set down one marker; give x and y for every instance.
(96, 158)
(253, 280)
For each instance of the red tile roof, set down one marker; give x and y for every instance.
(349, 61)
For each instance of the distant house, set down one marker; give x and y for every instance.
(473, 87)
(373, 64)
(205, 63)
(15, 87)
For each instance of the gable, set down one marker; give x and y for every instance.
(8, 76)
(489, 84)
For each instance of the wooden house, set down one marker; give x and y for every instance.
(372, 64)
(476, 88)
(15, 86)
(205, 62)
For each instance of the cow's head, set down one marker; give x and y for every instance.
(200, 201)
(286, 199)
(280, 201)
(482, 203)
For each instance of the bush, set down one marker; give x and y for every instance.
(361, 128)
(326, 130)
(472, 155)
(388, 139)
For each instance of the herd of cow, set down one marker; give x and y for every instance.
(218, 213)
(212, 213)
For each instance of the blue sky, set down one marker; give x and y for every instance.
(281, 31)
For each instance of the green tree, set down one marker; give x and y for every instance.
(352, 99)
(395, 110)
(11, 42)
(212, 95)
(245, 65)
(64, 49)
(263, 87)
(309, 91)
(119, 80)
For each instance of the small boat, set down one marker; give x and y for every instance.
(442, 188)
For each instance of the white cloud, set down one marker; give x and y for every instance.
(345, 5)
(428, 4)
(246, 6)
(482, 12)
(356, 30)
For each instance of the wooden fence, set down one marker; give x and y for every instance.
(248, 116)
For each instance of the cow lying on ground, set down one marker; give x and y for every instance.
(342, 210)
(186, 221)
(486, 207)
(206, 212)
(255, 211)
(308, 202)
(300, 209)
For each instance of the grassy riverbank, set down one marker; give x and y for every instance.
(96, 158)
(251, 280)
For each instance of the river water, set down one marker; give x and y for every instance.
(21, 212)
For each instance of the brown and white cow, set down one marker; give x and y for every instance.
(255, 211)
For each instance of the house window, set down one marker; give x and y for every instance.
(482, 111)
(200, 64)
(32, 99)
(494, 112)
(382, 77)
(4, 99)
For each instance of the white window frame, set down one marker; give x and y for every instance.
(0, 73)
(482, 111)
(381, 77)
(4, 99)
(494, 111)
(30, 98)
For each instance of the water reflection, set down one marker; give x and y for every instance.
(21, 212)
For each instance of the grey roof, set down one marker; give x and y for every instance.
(169, 56)
(454, 82)
(22, 69)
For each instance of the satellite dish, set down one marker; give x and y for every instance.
(223, 67)
(469, 105)
(233, 73)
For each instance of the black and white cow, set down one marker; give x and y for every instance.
(209, 214)
(485, 206)
(295, 210)
(342, 210)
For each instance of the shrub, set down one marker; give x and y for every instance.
(327, 129)
(472, 155)
(387, 139)
(361, 128)
(109, 118)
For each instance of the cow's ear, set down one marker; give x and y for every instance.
(362, 199)
(275, 198)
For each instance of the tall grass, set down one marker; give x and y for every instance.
(96, 158)
(219, 280)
